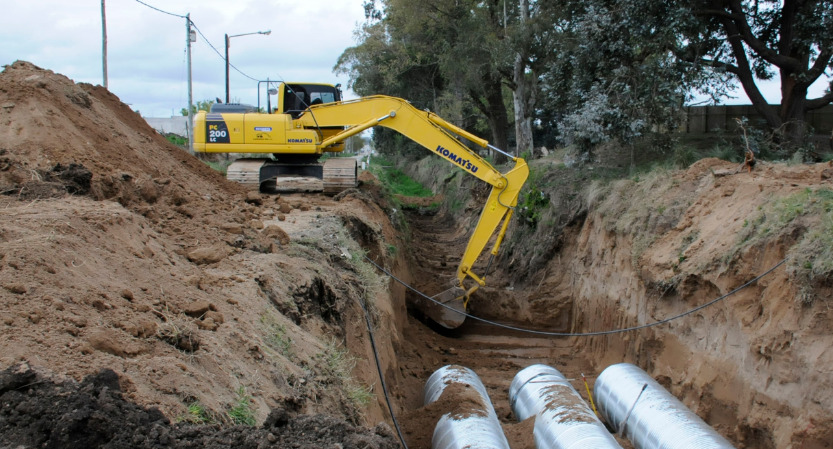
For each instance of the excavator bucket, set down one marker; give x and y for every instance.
(450, 317)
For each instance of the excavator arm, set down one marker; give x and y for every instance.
(435, 134)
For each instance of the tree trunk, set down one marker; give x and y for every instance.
(498, 118)
(793, 109)
(523, 95)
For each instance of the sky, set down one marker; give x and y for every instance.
(146, 48)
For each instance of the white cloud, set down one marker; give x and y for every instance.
(146, 49)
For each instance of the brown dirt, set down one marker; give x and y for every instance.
(120, 251)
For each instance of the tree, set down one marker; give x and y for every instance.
(441, 55)
(753, 39)
(611, 75)
(204, 105)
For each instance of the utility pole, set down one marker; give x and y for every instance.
(227, 64)
(190, 92)
(104, 42)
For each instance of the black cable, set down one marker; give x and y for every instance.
(165, 12)
(218, 52)
(585, 334)
(379, 369)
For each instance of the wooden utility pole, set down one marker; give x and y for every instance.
(104, 43)
(190, 91)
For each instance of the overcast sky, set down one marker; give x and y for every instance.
(147, 48)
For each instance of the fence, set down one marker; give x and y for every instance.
(706, 119)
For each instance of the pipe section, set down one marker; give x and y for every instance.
(562, 418)
(650, 417)
(472, 423)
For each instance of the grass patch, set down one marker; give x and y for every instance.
(195, 413)
(338, 363)
(241, 413)
(396, 180)
(812, 258)
(176, 140)
(276, 336)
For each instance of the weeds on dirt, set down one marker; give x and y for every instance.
(177, 331)
(241, 413)
(359, 395)
(812, 258)
(196, 413)
(338, 363)
(276, 336)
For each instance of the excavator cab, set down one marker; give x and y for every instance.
(296, 98)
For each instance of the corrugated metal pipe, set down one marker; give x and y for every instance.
(642, 410)
(562, 418)
(472, 422)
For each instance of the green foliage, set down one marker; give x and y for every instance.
(197, 413)
(396, 180)
(176, 140)
(684, 156)
(241, 413)
(533, 201)
(203, 105)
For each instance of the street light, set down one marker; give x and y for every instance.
(267, 32)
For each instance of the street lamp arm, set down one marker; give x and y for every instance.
(228, 44)
(267, 32)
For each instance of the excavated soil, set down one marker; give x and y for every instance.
(41, 412)
(119, 251)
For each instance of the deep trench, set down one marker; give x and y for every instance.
(495, 354)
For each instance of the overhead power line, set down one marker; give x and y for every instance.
(218, 52)
(157, 9)
(203, 36)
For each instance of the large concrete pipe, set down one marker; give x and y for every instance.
(471, 422)
(562, 418)
(648, 415)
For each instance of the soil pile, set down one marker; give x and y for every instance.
(40, 412)
(120, 251)
(51, 123)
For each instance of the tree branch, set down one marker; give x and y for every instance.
(819, 66)
(758, 46)
(820, 102)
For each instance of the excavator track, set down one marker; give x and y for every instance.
(331, 177)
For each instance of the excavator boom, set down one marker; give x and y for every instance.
(321, 127)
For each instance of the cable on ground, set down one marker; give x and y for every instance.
(381, 375)
(576, 334)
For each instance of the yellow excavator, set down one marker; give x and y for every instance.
(311, 119)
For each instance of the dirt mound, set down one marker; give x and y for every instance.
(40, 412)
(50, 123)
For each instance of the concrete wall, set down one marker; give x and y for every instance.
(175, 125)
